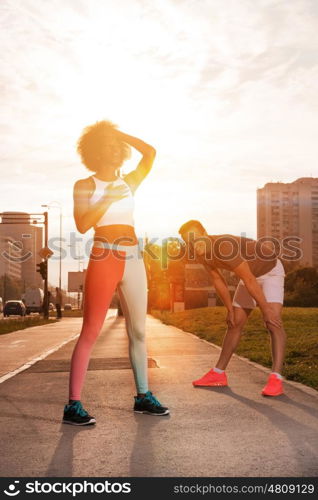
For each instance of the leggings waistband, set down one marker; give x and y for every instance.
(129, 249)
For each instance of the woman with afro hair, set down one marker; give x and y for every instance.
(105, 201)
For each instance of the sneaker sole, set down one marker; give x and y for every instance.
(151, 413)
(272, 395)
(91, 422)
(210, 385)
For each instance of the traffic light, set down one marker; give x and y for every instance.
(42, 269)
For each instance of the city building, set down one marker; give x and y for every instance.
(291, 209)
(22, 229)
(10, 258)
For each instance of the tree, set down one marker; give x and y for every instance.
(301, 287)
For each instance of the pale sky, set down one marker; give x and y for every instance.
(226, 91)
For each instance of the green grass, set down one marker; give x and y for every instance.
(301, 325)
(13, 324)
(73, 313)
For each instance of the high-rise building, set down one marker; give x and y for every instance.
(22, 230)
(291, 209)
(10, 258)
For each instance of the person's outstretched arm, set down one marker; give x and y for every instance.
(135, 177)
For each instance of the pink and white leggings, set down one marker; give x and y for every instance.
(110, 267)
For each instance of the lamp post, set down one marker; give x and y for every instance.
(59, 206)
(80, 260)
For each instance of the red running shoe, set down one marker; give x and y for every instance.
(274, 386)
(211, 379)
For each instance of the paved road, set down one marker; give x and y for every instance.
(211, 432)
(23, 347)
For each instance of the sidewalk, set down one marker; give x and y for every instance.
(22, 348)
(211, 432)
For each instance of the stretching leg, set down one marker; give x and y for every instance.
(102, 277)
(278, 340)
(232, 337)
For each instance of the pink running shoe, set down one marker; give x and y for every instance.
(274, 386)
(211, 379)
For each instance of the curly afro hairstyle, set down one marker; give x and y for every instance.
(93, 137)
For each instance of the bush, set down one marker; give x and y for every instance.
(301, 288)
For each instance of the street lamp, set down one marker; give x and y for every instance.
(80, 258)
(59, 206)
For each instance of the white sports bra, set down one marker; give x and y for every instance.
(119, 212)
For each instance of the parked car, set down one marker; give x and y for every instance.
(33, 300)
(68, 307)
(14, 307)
(51, 307)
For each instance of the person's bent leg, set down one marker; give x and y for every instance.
(243, 303)
(102, 277)
(278, 341)
(217, 376)
(232, 337)
(274, 385)
(273, 288)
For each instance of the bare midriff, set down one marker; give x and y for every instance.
(121, 234)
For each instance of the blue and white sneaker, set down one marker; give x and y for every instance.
(75, 414)
(150, 405)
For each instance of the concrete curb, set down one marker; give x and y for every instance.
(297, 385)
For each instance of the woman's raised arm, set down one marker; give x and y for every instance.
(143, 168)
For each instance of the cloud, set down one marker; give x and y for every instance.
(226, 92)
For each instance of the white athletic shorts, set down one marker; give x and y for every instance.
(272, 284)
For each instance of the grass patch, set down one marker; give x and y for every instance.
(14, 324)
(301, 325)
(73, 313)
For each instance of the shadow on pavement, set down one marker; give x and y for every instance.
(63, 457)
(143, 455)
(298, 433)
(307, 409)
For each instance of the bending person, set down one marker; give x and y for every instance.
(261, 282)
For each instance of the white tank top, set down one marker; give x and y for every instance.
(119, 212)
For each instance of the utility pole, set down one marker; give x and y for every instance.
(57, 204)
(46, 240)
